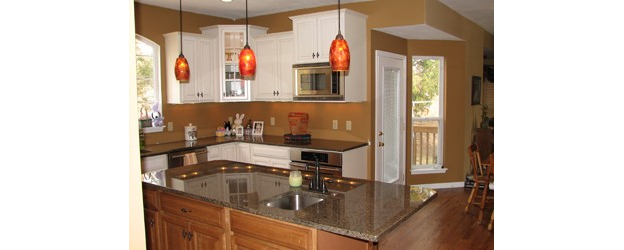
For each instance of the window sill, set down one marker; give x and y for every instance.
(153, 129)
(428, 171)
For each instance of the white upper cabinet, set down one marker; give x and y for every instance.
(314, 33)
(231, 39)
(274, 57)
(200, 53)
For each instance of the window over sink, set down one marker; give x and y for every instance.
(148, 75)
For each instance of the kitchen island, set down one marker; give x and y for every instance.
(234, 197)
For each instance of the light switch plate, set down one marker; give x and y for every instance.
(348, 125)
(272, 121)
(170, 126)
(335, 124)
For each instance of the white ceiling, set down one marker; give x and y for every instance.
(479, 11)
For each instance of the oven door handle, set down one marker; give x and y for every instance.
(180, 155)
(300, 165)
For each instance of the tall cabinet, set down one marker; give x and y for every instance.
(274, 57)
(314, 33)
(200, 53)
(230, 41)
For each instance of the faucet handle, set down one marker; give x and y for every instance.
(323, 187)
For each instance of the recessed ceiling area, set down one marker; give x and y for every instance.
(236, 8)
(418, 32)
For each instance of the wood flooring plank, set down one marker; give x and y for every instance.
(442, 224)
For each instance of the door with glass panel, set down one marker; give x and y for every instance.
(390, 117)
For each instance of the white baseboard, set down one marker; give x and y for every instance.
(442, 185)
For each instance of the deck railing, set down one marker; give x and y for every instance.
(424, 144)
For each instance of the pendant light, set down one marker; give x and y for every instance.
(181, 69)
(247, 59)
(339, 55)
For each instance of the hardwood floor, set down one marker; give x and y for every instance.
(442, 224)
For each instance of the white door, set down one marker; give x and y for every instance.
(390, 117)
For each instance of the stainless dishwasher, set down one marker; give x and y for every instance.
(177, 158)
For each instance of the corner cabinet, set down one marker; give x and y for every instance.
(274, 55)
(231, 40)
(314, 33)
(200, 53)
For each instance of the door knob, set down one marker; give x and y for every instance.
(381, 144)
(380, 133)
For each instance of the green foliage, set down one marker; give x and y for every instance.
(425, 80)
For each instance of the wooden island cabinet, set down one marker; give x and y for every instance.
(235, 213)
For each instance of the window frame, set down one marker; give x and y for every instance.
(157, 74)
(439, 167)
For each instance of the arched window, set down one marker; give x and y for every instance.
(148, 74)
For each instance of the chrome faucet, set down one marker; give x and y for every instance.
(317, 184)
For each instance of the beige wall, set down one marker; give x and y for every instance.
(152, 22)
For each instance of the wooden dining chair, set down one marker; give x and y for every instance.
(481, 176)
(491, 186)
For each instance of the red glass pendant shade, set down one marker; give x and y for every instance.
(339, 55)
(182, 71)
(247, 62)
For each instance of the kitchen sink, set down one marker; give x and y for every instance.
(294, 202)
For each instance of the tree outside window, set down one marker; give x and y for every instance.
(427, 110)
(148, 76)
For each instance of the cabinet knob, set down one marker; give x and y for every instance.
(317, 55)
(273, 92)
(184, 210)
(151, 222)
(202, 94)
(380, 133)
(190, 236)
(313, 55)
(381, 144)
(278, 92)
(183, 233)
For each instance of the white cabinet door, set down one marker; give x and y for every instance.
(274, 55)
(214, 153)
(271, 156)
(266, 69)
(229, 152)
(199, 51)
(313, 35)
(244, 152)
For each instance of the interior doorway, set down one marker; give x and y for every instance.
(390, 121)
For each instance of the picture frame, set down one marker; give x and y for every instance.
(475, 96)
(239, 131)
(258, 128)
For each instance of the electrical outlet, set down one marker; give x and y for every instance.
(335, 124)
(170, 126)
(348, 125)
(272, 121)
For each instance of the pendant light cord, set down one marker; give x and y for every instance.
(181, 27)
(246, 25)
(338, 16)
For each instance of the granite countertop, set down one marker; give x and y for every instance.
(320, 144)
(357, 208)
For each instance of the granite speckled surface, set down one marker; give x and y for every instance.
(320, 144)
(357, 208)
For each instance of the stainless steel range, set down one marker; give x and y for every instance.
(330, 162)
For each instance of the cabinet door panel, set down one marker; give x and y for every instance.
(266, 57)
(244, 242)
(173, 228)
(189, 90)
(151, 229)
(327, 31)
(305, 36)
(207, 237)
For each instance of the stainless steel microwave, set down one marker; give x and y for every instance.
(317, 82)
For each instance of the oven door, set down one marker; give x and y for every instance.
(188, 157)
(326, 170)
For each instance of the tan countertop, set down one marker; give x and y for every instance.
(319, 144)
(356, 208)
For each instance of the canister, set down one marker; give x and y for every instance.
(190, 132)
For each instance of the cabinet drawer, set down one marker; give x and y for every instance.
(270, 151)
(191, 209)
(277, 232)
(150, 198)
